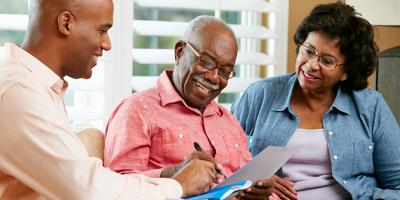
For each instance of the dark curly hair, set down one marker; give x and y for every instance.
(356, 39)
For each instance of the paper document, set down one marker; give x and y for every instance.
(263, 165)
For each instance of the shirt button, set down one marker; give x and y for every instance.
(236, 145)
(330, 133)
(370, 147)
(145, 106)
(335, 157)
(180, 136)
(140, 99)
(148, 113)
(212, 141)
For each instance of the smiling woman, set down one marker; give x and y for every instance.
(343, 130)
(320, 73)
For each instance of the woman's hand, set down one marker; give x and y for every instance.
(273, 188)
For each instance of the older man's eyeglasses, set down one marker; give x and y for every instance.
(208, 63)
(325, 61)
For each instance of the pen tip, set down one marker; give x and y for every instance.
(197, 146)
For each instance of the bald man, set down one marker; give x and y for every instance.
(39, 157)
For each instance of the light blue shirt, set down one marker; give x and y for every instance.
(362, 134)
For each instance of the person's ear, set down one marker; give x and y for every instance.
(179, 51)
(344, 77)
(65, 20)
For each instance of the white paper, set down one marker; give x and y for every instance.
(263, 166)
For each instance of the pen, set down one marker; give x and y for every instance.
(198, 148)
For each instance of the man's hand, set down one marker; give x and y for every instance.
(201, 155)
(196, 177)
(263, 189)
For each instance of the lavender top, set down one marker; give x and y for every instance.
(310, 168)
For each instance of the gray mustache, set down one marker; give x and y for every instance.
(206, 83)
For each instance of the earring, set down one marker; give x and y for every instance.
(344, 77)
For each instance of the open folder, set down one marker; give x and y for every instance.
(262, 166)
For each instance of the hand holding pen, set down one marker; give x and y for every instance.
(196, 174)
(218, 166)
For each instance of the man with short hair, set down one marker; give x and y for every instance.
(160, 125)
(39, 156)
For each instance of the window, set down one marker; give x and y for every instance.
(143, 38)
(12, 21)
(259, 25)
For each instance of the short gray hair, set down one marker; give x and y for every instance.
(193, 30)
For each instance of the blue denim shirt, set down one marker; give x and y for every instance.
(362, 134)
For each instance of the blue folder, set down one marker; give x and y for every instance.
(223, 192)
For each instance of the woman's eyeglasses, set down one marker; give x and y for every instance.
(325, 61)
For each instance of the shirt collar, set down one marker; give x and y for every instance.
(169, 95)
(39, 69)
(283, 101)
(341, 102)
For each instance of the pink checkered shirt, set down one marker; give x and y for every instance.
(155, 128)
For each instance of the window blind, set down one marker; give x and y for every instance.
(259, 25)
(143, 38)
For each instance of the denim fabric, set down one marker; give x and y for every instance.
(362, 134)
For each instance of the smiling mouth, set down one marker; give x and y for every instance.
(203, 87)
(309, 76)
